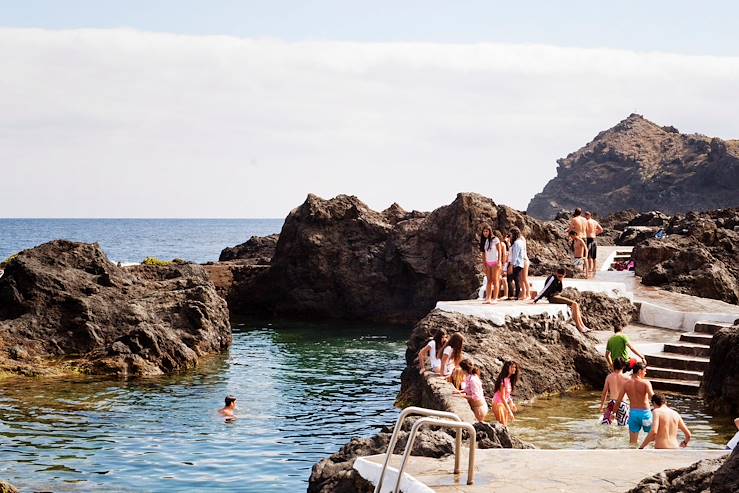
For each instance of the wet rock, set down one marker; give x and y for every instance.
(709, 475)
(726, 479)
(721, 378)
(258, 250)
(699, 256)
(495, 435)
(600, 311)
(542, 347)
(66, 299)
(339, 259)
(640, 165)
(7, 488)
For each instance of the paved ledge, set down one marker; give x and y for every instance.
(517, 470)
(498, 312)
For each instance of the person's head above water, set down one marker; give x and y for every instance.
(230, 401)
(618, 364)
(659, 400)
(639, 369)
(578, 211)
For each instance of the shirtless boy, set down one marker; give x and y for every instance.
(639, 391)
(581, 250)
(666, 423)
(592, 230)
(228, 410)
(615, 382)
(578, 224)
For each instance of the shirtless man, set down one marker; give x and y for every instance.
(666, 423)
(581, 250)
(615, 382)
(228, 410)
(592, 230)
(639, 391)
(578, 224)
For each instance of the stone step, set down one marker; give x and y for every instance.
(680, 386)
(677, 361)
(689, 348)
(672, 374)
(709, 327)
(697, 337)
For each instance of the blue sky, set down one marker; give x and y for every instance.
(677, 26)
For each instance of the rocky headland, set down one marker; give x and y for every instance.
(640, 165)
(339, 259)
(65, 307)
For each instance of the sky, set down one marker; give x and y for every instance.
(240, 109)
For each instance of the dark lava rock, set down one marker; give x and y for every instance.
(600, 311)
(65, 301)
(336, 474)
(721, 378)
(543, 348)
(638, 164)
(339, 259)
(708, 475)
(258, 250)
(699, 256)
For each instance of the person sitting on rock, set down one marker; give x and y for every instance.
(228, 410)
(666, 422)
(580, 249)
(503, 406)
(618, 347)
(451, 355)
(613, 386)
(472, 387)
(552, 289)
(432, 350)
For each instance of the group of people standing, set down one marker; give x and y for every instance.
(505, 264)
(583, 231)
(446, 358)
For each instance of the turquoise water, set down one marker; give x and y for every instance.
(303, 392)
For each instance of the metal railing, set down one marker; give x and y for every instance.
(451, 421)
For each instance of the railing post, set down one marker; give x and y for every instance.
(457, 450)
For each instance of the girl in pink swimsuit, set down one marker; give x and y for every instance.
(473, 389)
(503, 406)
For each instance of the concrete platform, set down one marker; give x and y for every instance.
(498, 312)
(514, 470)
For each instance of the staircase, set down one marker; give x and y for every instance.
(680, 366)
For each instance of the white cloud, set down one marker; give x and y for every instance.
(109, 123)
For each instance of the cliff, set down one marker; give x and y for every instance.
(640, 165)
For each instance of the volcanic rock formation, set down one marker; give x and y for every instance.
(339, 259)
(257, 250)
(640, 165)
(542, 347)
(721, 379)
(699, 256)
(65, 305)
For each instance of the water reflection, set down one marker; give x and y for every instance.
(303, 392)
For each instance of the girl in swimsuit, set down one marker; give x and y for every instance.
(473, 389)
(503, 406)
(491, 252)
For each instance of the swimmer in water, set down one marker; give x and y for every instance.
(228, 410)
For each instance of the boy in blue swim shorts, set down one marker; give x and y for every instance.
(640, 392)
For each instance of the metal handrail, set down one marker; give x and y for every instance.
(420, 411)
(459, 426)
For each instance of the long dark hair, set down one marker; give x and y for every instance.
(439, 341)
(482, 236)
(515, 234)
(504, 374)
(455, 342)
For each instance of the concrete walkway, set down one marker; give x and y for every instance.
(515, 470)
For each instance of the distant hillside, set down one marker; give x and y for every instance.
(639, 165)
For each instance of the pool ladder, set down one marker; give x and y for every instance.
(451, 420)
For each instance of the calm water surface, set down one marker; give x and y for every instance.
(573, 421)
(303, 392)
(132, 240)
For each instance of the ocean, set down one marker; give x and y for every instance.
(132, 240)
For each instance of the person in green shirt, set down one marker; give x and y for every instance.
(618, 348)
